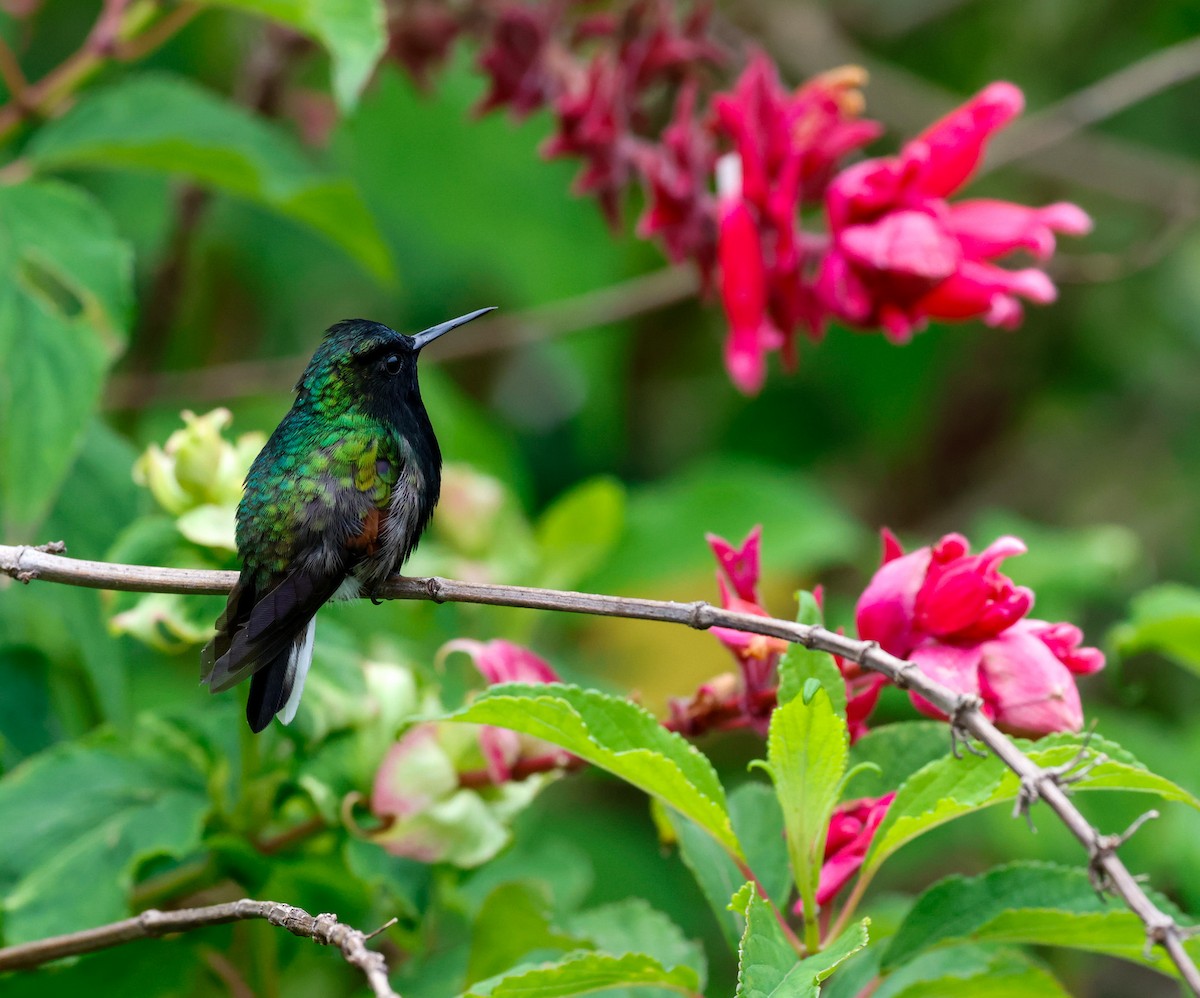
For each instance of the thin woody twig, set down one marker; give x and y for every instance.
(324, 930)
(623, 300)
(31, 563)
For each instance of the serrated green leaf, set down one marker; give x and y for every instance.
(768, 965)
(807, 749)
(898, 750)
(585, 973)
(578, 530)
(716, 874)
(1166, 619)
(168, 125)
(353, 31)
(65, 293)
(633, 926)
(513, 922)
(134, 808)
(1036, 903)
(800, 664)
(615, 735)
(758, 822)
(948, 788)
(978, 971)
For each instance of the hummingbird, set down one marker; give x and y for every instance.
(333, 504)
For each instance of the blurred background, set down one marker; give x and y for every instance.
(602, 371)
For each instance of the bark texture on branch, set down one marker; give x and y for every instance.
(29, 563)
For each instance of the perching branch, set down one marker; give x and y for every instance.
(31, 563)
(324, 930)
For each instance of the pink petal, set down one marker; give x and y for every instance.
(502, 661)
(885, 611)
(989, 228)
(907, 242)
(1032, 692)
(740, 565)
(953, 146)
(892, 548)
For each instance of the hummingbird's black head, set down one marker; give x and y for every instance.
(369, 365)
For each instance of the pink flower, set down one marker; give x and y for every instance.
(900, 254)
(943, 592)
(514, 59)
(851, 828)
(737, 580)
(502, 661)
(963, 623)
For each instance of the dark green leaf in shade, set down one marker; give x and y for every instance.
(632, 926)
(895, 752)
(716, 874)
(27, 722)
(1034, 903)
(615, 735)
(978, 971)
(514, 926)
(355, 34)
(65, 292)
(758, 823)
(169, 125)
(89, 813)
(578, 530)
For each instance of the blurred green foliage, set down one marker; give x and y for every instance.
(593, 459)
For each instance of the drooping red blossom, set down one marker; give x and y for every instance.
(516, 55)
(502, 661)
(963, 623)
(420, 35)
(675, 174)
(900, 254)
(851, 828)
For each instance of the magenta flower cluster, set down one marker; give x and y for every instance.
(756, 185)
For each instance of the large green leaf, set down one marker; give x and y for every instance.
(1165, 619)
(769, 967)
(978, 971)
(169, 125)
(715, 873)
(893, 753)
(807, 749)
(633, 926)
(88, 814)
(1038, 903)
(615, 735)
(948, 788)
(65, 291)
(758, 822)
(354, 32)
(513, 922)
(585, 973)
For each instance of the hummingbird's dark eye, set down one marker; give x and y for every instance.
(392, 363)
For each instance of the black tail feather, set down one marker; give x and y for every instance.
(269, 690)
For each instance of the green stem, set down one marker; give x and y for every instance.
(847, 912)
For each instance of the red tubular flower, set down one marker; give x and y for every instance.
(851, 828)
(963, 622)
(514, 59)
(901, 255)
(420, 33)
(737, 579)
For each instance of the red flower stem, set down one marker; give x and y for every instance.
(522, 769)
(28, 563)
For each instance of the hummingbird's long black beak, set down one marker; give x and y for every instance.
(427, 336)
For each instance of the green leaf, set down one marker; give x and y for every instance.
(717, 874)
(65, 292)
(615, 735)
(978, 971)
(807, 749)
(169, 125)
(584, 973)
(1035, 903)
(894, 752)
(1165, 619)
(27, 722)
(633, 926)
(948, 788)
(354, 32)
(758, 823)
(578, 531)
(799, 664)
(513, 921)
(768, 966)
(90, 815)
